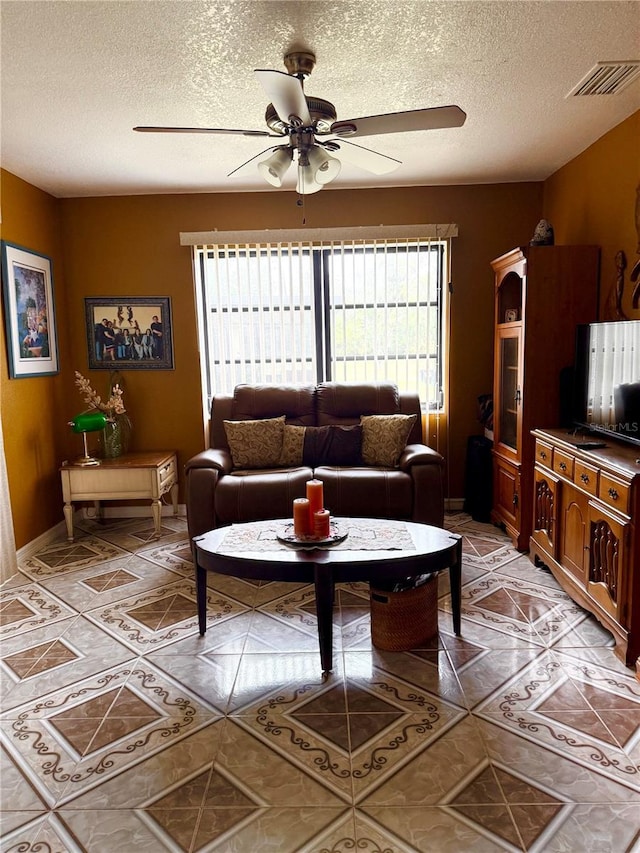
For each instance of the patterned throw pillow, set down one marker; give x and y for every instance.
(255, 444)
(384, 437)
(292, 446)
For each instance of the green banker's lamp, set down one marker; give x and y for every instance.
(84, 423)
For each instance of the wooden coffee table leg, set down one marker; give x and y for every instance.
(455, 582)
(324, 611)
(201, 593)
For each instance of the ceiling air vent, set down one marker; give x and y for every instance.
(607, 78)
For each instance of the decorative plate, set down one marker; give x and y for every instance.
(288, 538)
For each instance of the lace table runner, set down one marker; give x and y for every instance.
(363, 535)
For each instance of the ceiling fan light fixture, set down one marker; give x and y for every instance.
(274, 168)
(307, 183)
(325, 168)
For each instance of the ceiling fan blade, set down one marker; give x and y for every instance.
(428, 119)
(360, 156)
(204, 130)
(286, 94)
(251, 159)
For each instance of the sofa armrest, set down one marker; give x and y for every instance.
(215, 458)
(419, 454)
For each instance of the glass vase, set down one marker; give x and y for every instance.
(116, 436)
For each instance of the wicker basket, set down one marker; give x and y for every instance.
(404, 620)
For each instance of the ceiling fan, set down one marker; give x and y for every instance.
(315, 138)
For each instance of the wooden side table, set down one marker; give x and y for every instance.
(132, 476)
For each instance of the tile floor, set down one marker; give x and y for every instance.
(124, 730)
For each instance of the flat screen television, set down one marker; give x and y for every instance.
(606, 393)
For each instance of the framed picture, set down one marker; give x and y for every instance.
(129, 333)
(29, 312)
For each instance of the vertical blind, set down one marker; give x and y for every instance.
(615, 357)
(308, 311)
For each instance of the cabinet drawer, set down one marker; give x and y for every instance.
(544, 453)
(614, 493)
(563, 464)
(167, 474)
(586, 476)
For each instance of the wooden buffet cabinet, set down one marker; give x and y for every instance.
(586, 528)
(541, 294)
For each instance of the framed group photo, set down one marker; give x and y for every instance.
(29, 312)
(129, 333)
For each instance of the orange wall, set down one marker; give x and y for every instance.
(593, 200)
(123, 246)
(33, 408)
(130, 246)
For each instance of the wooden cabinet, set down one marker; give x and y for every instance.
(586, 528)
(541, 294)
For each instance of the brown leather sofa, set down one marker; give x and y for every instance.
(217, 494)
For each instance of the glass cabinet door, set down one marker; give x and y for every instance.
(508, 388)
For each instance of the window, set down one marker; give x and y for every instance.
(305, 312)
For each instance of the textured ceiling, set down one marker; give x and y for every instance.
(77, 76)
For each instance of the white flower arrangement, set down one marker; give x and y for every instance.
(111, 407)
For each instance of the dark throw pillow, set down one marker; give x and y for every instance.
(333, 445)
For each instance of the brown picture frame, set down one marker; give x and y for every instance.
(129, 333)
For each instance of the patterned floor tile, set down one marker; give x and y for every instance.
(56, 655)
(482, 673)
(174, 555)
(105, 583)
(522, 569)
(152, 619)
(16, 580)
(262, 676)
(426, 829)
(122, 728)
(388, 721)
(27, 607)
(19, 803)
(428, 669)
(42, 835)
(66, 556)
(136, 534)
(556, 771)
(74, 739)
(289, 624)
(544, 704)
(519, 609)
(210, 676)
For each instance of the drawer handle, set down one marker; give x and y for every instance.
(166, 468)
(584, 478)
(563, 466)
(543, 454)
(613, 494)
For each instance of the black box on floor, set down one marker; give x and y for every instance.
(478, 480)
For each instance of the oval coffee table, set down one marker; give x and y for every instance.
(434, 551)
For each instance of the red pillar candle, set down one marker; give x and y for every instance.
(322, 524)
(315, 497)
(301, 518)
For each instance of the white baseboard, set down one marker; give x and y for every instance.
(454, 504)
(47, 538)
(133, 511)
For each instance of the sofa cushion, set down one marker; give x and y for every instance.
(256, 495)
(332, 445)
(344, 402)
(292, 446)
(366, 492)
(296, 402)
(255, 444)
(327, 445)
(384, 437)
